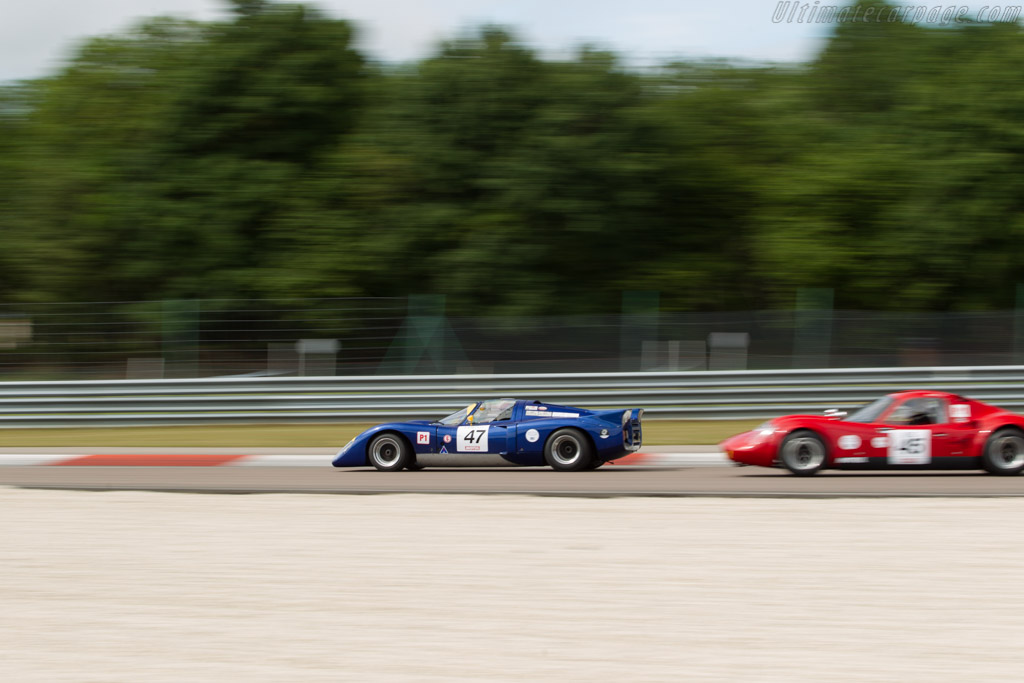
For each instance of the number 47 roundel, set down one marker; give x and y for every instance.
(472, 439)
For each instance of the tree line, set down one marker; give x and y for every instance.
(265, 157)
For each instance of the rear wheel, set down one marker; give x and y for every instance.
(1004, 452)
(567, 450)
(389, 453)
(803, 453)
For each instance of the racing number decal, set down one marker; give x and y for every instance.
(910, 447)
(472, 439)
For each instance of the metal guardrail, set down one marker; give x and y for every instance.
(687, 395)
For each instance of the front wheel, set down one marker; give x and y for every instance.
(803, 453)
(388, 453)
(1004, 452)
(567, 450)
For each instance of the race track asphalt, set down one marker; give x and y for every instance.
(606, 482)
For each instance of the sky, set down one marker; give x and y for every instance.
(37, 36)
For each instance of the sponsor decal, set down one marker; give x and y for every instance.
(879, 442)
(444, 450)
(447, 438)
(532, 435)
(910, 447)
(536, 412)
(849, 442)
(422, 437)
(852, 459)
(604, 433)
(960, 412)
(472, 439)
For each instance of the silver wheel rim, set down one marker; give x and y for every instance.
(1008, 452)
(386, 451)
(804, 453)
(565, 450)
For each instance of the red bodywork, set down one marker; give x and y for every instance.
(954, 441)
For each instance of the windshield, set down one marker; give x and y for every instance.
(871, 411)
(494, 410)
(457, 418)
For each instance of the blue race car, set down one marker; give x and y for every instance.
(500, 432)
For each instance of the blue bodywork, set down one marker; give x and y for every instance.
(516, 440)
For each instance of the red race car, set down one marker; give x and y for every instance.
(909, 430)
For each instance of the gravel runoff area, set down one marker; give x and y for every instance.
(138, 586)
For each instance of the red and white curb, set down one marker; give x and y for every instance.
(285, 460)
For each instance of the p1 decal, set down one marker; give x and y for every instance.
(910, 447)
(472, 439)
(422, 437)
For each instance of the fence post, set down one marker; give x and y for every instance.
(180, 337)
(423, 335)
(1018, 327)
(639, 323)
(812, 333)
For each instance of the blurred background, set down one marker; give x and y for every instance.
(255, 191)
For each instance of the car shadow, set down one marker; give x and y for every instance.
(869, 475)
(603, 471)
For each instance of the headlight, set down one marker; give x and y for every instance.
(348, 445)
(625, 417)
(765, 428)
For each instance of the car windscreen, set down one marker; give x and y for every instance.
(494, 410)
(457, 418)
(871, 411)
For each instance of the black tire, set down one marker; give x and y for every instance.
(389, 453)
(594, 464)
(1004, 452)
(568, 450)
(803, 453)
(414, 466)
